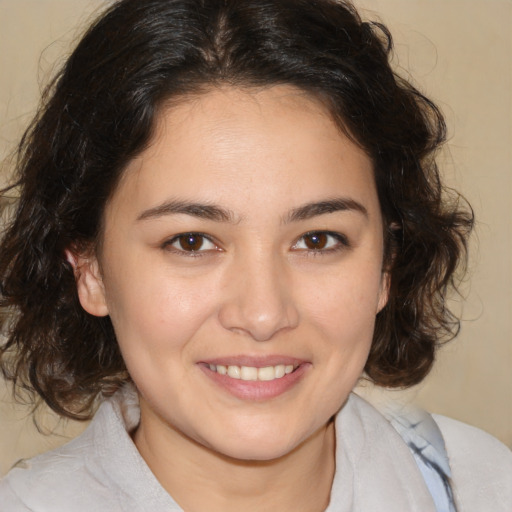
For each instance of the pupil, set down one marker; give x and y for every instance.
(191, 242)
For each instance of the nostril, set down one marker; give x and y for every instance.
(255, 323)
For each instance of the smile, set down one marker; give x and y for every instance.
(252, 373)
(256, 378)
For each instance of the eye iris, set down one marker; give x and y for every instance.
(316, 241)
(191, 242)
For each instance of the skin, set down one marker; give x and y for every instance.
(254, 289)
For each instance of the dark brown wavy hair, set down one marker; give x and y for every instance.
(99, 113)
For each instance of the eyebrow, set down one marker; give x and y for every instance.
(218, 214)
(200, 210)
(311, 210)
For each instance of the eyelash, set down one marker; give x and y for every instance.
(341, 243)
(168, 244)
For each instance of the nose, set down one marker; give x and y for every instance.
(259, 300)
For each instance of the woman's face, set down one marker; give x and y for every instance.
(242, 269)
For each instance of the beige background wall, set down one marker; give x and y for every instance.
(460, 53)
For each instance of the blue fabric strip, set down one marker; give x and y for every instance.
(424, 438)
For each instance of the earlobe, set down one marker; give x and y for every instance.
(89, 283)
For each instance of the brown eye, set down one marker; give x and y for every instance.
(321, 242)
(316, 241)
(190, 243)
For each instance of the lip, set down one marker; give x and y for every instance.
(256, 361)
(256, 390)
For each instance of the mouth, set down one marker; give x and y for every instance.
(253, 373)
(255, 378)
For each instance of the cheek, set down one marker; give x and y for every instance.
(343, 314)
(155, 312)
(346, 301)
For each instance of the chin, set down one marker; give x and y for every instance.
(253, 444)
(257, 451)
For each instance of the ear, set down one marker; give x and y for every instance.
(388, 263)
(384, 290)
(89, 283)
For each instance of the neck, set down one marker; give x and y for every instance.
(299, 480)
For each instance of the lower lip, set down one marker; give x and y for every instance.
(257, 390)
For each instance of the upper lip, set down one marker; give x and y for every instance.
(254, 361)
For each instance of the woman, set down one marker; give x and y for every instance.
(228, 212)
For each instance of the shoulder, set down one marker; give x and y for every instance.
(481, 467)
(9, 499)
(50, 481)
(62, 479)
(101, 469)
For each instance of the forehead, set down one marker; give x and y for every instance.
(247, 147)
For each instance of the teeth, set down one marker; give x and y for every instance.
(267, 373)
(248, 373)
(252, 373)
(280, 371)
(234, 372)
